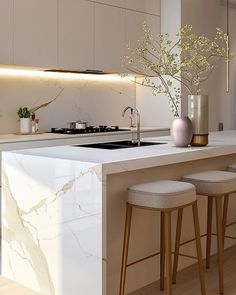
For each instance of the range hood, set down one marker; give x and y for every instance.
(90, 72)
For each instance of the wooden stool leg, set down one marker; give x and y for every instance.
(168, 253)
(162, 252)
(225, 211)
(199, 248)
(209, 231)
(177, 244)
(220, 242)
(125, 248)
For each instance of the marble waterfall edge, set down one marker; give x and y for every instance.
(52, 224)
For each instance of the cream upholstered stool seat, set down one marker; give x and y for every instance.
(164, 196)
(232, 168)
(216, 185)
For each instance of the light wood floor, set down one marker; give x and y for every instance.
(187, 281)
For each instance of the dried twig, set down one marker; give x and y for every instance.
(44, 105)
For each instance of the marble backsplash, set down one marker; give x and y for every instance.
(99, 101)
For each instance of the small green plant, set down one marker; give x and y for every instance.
(23, 112)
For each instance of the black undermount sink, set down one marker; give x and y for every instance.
(118, 144)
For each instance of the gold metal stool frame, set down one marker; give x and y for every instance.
(220, 232)
(221, 225)
(165, 249)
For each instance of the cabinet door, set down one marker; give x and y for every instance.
(118, 3)
(109, 37)
(134, 26)
(6, 31)
(35, 33)
(76, 34)
(147, 6)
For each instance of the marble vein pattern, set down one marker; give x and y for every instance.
(52, 224)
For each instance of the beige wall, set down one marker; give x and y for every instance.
(227, 101)
(205, 16)
(155, 109)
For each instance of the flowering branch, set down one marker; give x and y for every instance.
(190, 61)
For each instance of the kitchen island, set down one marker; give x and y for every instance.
(64, 210)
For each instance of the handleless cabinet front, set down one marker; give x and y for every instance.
(35, 33)
(76, 34)
(134, 26)
(109, 37)
(6, 32)
(146, 6)
(117, 3)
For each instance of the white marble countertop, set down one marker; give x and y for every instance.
(115, 161)
(9, 138)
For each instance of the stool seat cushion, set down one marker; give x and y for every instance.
(162, 194)
(213, 182)
(232, 168)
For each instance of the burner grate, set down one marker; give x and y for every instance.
(90, 129)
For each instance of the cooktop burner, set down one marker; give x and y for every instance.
(90, 129)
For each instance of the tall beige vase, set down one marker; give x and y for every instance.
(198, 114)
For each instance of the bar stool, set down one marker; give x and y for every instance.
(231, 168)
(215, 185)
(164, 196)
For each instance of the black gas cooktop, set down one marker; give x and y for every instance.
(90, 129)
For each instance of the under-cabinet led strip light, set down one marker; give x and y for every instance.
(59, 75)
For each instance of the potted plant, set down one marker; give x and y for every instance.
(27, 116)
(25, 120)
(187, 61)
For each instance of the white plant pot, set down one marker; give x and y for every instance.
(25, 125)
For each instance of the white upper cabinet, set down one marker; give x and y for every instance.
(147, 6)
(6, 31)
(76, 34)
(73, 34)
(35, 33)
(134, 26)
(109, 37)
(118, 3)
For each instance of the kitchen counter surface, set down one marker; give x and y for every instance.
(11, 138)
(128, 159)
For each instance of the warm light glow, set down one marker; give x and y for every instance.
(59, 75)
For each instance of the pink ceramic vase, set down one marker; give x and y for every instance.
(181, 131)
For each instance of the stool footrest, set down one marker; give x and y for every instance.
(192, 240)
(156, 254)
(187, 256)
(230, 224)
(143, 259)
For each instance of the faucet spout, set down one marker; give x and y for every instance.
(125, 109)
(134, 110)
